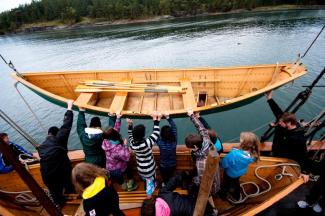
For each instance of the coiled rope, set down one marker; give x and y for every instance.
(244, 195)
(23, 197)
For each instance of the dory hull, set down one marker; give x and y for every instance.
(203, 89)
(279, 188)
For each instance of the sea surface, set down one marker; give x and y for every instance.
(216, 41)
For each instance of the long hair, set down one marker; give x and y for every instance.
(167, 135)
(84, 174)
(250, 142)
(112, 134)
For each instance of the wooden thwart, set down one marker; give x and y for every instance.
(119, 100)
(188, 97)
(84, 98)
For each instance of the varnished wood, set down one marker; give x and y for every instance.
(211, 167)
(11, 182)
(224, 86)
(189, 97)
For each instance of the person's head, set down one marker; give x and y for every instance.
(53, 131)
(148, 207)
(4, 137)
(288, 120)
(84, 174)
(193, 141)
(138, 132)
(95, 122)
(167, 135)
(250, 142)
(213, 135)
(112, 134)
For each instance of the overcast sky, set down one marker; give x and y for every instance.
(9, 4)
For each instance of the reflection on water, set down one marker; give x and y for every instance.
(226, 40)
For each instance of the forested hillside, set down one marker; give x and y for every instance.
(73, 11)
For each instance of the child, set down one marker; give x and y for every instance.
(215, 139)
(117, 156)
(201, 145)
(91, 139)
(236, 162)
(143, 151)
(98, 194)
(167, 146)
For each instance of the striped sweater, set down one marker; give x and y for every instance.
(143, 151)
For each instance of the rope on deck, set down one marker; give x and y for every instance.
(279, 176)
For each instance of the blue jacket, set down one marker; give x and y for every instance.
(235, 163)
(168, 150)
(5, 168)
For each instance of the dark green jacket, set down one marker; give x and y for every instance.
(91, 143)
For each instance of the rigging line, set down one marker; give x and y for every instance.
(313, 42)
(18, 129)
(297, 102)
(12, 66)
(29, 107)
(256, 129)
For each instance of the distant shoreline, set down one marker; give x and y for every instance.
(88, 22)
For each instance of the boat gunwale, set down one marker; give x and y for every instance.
(153, 69)
(215, 107)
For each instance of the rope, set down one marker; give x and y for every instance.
(11, 66)
(245, 195)
(18, 129)
(29, 107)
(313, 42)
(256, 129)
(23, 197)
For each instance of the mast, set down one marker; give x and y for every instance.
(29, 180)
(211, 167)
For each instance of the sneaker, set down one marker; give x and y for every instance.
(131, 185)
(124, 186)
(317, 208)
(302, 204)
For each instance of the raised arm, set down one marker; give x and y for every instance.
(81, 122)
(172, 125)
(156, 129)
(64, 132)
(204, 150)
(202, 120)
(277, 111)
(111, 120)
(117, 125)
(130, 128)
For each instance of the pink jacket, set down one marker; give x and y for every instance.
(117, 154)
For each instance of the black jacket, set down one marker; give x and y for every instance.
(181, 205)
(104, 203)
(54, 152)
(289, 144)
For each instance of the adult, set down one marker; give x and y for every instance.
(289, 140)
(19, 151)
(91, 139)
(55, 163)
(317, 191)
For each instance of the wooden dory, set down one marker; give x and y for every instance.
(140, 92)
(268, 168)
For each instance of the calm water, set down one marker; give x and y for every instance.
(238, 39)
